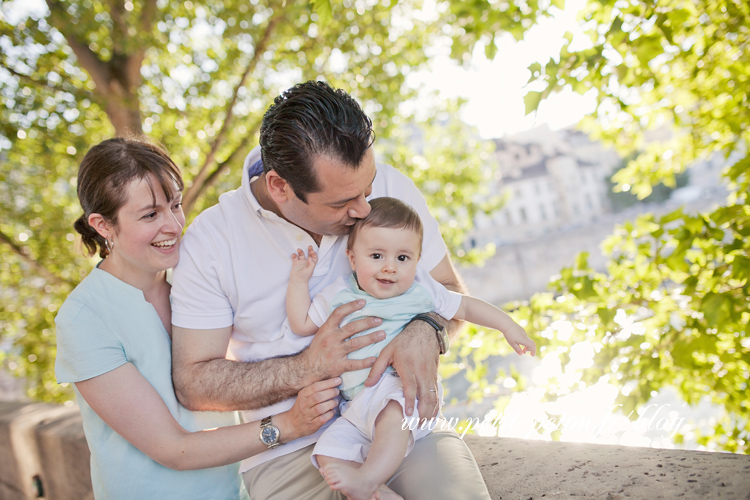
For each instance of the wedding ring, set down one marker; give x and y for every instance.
(433, 390)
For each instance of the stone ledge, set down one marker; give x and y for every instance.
(47, 441)
(524, 469)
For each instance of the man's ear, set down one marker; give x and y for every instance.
(278, 189)
(350, 254)
(101, 226)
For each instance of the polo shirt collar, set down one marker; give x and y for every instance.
(247, 177)
(249, 172)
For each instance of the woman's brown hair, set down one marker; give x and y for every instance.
(104, 175)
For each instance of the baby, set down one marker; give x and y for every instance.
(359, 452)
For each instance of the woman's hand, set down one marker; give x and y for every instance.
(315, 405)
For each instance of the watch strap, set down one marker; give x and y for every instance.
(442, 336)
(266, 422)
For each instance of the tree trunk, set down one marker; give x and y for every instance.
(116, 81)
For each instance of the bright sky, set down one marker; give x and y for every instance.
(495, 89)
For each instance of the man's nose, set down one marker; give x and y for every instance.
(360, 208)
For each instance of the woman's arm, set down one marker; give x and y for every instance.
(481, 313)
(298, 293)
(129, 404)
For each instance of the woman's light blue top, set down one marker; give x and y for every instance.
(104, 324)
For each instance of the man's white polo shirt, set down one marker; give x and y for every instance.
(234, 266)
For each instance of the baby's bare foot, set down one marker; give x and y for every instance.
(355, 485)
(385, 493)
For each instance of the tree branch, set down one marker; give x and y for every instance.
(26, 257)
(86, 57)
(194, 191)
(84, 94)
(241, 149)
(148, 13)
(118, 13)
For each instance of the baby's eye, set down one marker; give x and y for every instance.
(376, 256)
(403, 258)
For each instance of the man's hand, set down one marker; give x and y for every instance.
(414, 354)
(326, 357)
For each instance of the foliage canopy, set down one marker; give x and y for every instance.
(681, 280)
(197, 76)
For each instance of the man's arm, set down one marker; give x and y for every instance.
(204, 380)
(445, 274)
(415, 352)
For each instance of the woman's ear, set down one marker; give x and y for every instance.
(101, 226)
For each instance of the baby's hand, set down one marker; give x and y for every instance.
(302, 268)
(519, 341)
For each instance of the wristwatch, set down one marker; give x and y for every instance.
(442, 334)
(269, 433)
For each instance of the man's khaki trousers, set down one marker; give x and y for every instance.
(439, 467)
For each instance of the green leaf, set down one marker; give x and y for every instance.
(715, 307)
(532, 100)
(323, 9)
(490, 50)
(535, 69)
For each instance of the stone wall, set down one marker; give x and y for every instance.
(43, 454)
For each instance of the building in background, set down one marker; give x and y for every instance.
(558, 205)
(551, 180)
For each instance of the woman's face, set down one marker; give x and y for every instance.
(149, 227)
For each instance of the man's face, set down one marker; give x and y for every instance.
(341, 201)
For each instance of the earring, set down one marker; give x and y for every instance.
(110, 244)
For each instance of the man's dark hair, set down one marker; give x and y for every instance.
(309, 120)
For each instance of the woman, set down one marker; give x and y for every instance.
(113, 335)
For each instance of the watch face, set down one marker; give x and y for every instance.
(269, 435)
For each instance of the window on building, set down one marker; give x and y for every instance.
(522, 214)
(542, 212)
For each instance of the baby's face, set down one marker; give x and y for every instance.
(385, 260)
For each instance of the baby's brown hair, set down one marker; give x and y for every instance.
(391, 213)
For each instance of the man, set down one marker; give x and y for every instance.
(229, 289)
